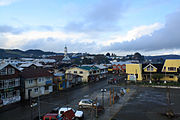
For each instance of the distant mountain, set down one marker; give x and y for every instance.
(163, 57)
(16, 53)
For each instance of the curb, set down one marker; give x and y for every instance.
(166, 87)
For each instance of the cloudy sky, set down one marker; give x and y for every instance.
(151, 27)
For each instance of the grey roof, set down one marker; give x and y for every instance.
(3, 65)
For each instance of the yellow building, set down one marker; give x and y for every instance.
(88, 73)
(134, 72)
(170, 69)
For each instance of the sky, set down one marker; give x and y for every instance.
(151, 27)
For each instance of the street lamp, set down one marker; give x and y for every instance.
(103, 91)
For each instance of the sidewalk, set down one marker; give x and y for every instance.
(110, 111)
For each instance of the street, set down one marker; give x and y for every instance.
(62, 98)
(150, 104)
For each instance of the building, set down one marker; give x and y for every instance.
(134, 72)
(88, 73)
(73, 79)
(66, 58)
(59, 81)
(9, 84)
(169, 71)
(103, 71)
(36, 82)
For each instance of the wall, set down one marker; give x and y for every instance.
(132, 69)
(84, 75)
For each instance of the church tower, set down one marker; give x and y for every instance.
(66, 59)
(65, 51)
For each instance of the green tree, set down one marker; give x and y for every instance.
(157, 77)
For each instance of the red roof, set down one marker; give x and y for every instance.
(35, 72)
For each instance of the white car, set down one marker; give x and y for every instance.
(87, 103)
(78, 114)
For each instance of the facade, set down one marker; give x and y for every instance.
(36, 82)
(9, 84)
(134, 72)
(151, 70)
(103, 71)
(73, 79)
(169, 71)
(88, 73)
(59, 81)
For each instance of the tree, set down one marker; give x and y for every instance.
(157, 77)
(107, 54)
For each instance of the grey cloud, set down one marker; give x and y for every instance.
(52, 44)
(103, 16)
(165, 38)
(10, 29)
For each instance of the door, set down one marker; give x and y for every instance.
(42, 90)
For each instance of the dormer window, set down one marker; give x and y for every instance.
(150, 68)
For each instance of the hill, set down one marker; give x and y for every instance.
(16, 53)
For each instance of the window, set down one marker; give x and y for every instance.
(164, 68)
(75, 71)
(10, 94)
(46, 88)
(1, 84)
(150, 68)
(6, 83)
(36, 90)
(17, 82)
(11, 71)
(47, 119)
(11, 83)
(53, 119)
(171, 68)
(81, 72)
(171, 76)
(114, 66)
(40, 79)
(30, 81)
(4, 71)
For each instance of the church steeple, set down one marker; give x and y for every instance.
(65, 51)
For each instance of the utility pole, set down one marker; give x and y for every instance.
(113, 95)
(39, 110)
(30, 102)
(96, 109)
(110, 97)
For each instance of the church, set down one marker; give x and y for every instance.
(66, 59)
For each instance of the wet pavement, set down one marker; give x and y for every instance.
(142, 103)
(149, 104)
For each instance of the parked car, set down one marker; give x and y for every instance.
(87, 103)
(79, 115)
(68, 115)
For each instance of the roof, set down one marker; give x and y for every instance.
(66, 58)
(88, 68)
(35, 72)
(158, 66)
(101, 66)
(58, 74)
(29, 64)
(3, 65)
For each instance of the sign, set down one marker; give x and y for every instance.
(132, 77)
(48, 82)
